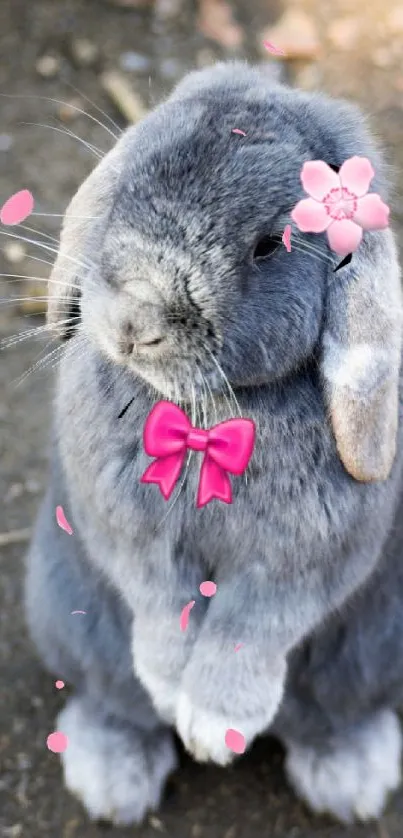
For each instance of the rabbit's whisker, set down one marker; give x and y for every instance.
(53, 239)
(97, 108)
(309, 248)
(6, 343)
(48, 280)
(203, 400)
(35, 367)
(73, 108)
(225, 379)
(46, 247)
(189, 457)
(96, 151)
(39, 331)
(61, 215)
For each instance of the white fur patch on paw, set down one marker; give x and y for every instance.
(117, 775)
(354, 779)
(203, 733)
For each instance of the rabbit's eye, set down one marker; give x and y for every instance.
(264, 248)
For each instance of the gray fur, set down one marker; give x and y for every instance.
(306, 559)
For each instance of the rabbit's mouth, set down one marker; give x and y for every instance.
(188, 384)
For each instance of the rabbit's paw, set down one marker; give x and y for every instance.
(353, 777)
(227, 694)
(203, 731)
(118, 773)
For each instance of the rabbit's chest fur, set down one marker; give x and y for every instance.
(295, 490)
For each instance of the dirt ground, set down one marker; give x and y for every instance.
(250, 800)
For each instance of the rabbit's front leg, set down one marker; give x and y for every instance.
(225, 687)
(165, 583)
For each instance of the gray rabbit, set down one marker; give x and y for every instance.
(171, 286)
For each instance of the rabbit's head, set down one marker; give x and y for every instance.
(178, 272)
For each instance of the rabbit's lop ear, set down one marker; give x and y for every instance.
(80, 232)
(361, 357)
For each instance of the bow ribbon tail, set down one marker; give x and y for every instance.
(213, 483)
(165, 471)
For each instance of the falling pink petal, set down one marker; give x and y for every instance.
(310, 216)
(235, 741)
(17, 208)
(208, 588)
(371, 212)
(273, 49)
(57, 742)
(78, 612)
(344, 236)
(62, 520)
(356, 174)
(286, 238)
(238, 131)
(237, 647)
(185, 615)
(318, 179)
(59, 685)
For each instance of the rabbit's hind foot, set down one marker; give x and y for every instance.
(352, 775)
(117, 772)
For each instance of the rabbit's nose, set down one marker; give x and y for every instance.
(140, 335)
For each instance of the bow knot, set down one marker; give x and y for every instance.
(227, 447)
(197, 439)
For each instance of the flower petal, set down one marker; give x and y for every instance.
(371, 212)
(310, 216)
(356, 174)
(318, 179)
(344, 236)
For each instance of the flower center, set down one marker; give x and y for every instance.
(340, 203)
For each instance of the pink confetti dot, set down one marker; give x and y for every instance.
(235, 741)
(273, 49)
(62, 520)
(238, 646)
(17, 208)
(184, 620)
(208, 588)
(57, 742)
(286, 238)
(59, 685)
(238, 131)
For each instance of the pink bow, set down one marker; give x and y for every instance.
(168, 434)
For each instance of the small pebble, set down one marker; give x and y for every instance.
(14, 491)
(171, 69)
(6, 141)
(14, 831)
(205, 58)
(70, 110)
(14, 252)
(134, 62)
(344, 32)
(168, 9)
(156, 823)
(382, 57)
(47, 66)
(33, 486)
(83, 52)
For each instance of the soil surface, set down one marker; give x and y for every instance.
(251, 799)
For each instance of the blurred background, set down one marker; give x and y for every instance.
(72, 74)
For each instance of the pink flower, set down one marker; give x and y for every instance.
(339, 203)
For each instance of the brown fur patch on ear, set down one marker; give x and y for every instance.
(362, 356)
(366, 438)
